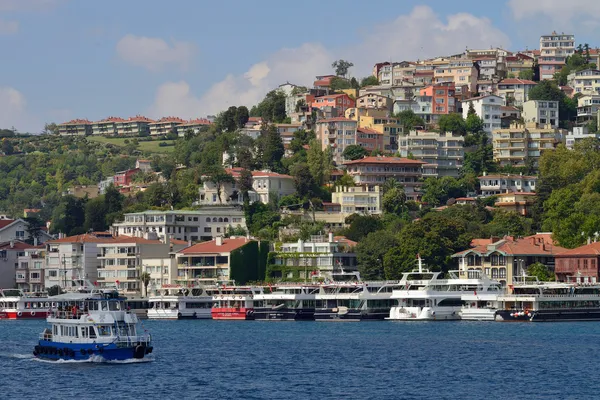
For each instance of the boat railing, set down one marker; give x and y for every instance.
(553, 296)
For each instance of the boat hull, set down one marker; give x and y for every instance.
(350, 315)
(284, 314)
(183, 314)
(477, 314)
(54, 351)
(584, 314)
(23, 314)
(232, 313)
(424, 314)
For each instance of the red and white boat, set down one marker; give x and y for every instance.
(233, 302)
(14, 304)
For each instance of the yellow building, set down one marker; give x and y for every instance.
(358, 199)
(380, 121)
(523, 144)
(519, 202)
(352, 93)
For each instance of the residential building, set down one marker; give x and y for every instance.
(81, 191)
(443, 153)
(541, 112)
(264, 184)
(579, 133)
(489, 67)
(123, 259)
(30, 269)
(519, 202)
(518, 63)
(73, 257)
(10, 251)
(587, 108)
(484, 87)
(503, 259)
(379, 121)
(321, 256)
(441, 97)
(420, 105)
(194, 125)
(203, 224)
(134, 126)
(286, 132)
(456, 72)
(514, 91)
(495, 184)
(106, 127)
(17, 229)
(31, 212)
(374, 171)
(341, 102)
(580, 265)
(554, 50)
(104, 184)
(394, 74)
(252, 127)
(165, 126)
(509, 116)
(370, 139)
(336, 133)
(324, 81)
(236, 259)
(357, 199)
(144, 165)
(124, 178)
(521, 145)
(76, 127)
(586, 82)
(424, 75)
(488, 109)
(374, 101)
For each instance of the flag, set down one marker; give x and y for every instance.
(475, 292)
(117, 282)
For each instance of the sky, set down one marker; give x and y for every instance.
(66, 59)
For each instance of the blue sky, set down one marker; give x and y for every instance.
(65, 59)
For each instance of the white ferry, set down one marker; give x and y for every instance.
(87, 325)
(424, 296)
(15, 304)
(178, 302)
(285, 302)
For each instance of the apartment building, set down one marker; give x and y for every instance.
(123, 259)
(203, 224)
(134, 126)
(375, 170)
(320, 256)
(236, 259)
(488, 109)
(457, 72)
(519, 202)
(30, 269)
(587, 108)
(358, 199)
(75, 127)
(17, 229)
(514, 91)
(577, 134)
(323, 81)
(374, 101)
(286, 132)
(522, 144)
(420, 105)
(541, 112)
(554, 50)
(518, 63)
(10, 251)
(264, 184)
(106, 127)
(195, 125)
(370, 139)
(586, 82)
(441, 97)
(341, 102)
(378, 120)
(165, 125)
(443, 153)
(336, 133)
(392, 74)
(494, 184)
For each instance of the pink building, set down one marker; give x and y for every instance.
(340, 101)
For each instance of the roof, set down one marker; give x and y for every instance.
(514, 193)
(77, 122)
(480, 97)
(6, 222)
(229, 245)
(516, 81)
(16, 245)
(509, 108)
(254, 119)
(235, 172)
(344, 239)
(336, 119)
(592, 249)
(111, 119)
(369, 130)
(508, 176)
(384, 160)
(538, 244)
(139, 118)
(170, 120)
(465, 199)
(331, 96)
(198, 121)
(96, 237)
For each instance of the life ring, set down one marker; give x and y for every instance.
(178, 315)
(33, 313)
(19, 314)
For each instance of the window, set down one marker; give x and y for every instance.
(20, 234)
(207, 230)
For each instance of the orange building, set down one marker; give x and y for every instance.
(442, 98)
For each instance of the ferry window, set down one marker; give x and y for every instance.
(55, 329)
(104, 306)
(114, 306)
(104, 330)
(84, 331)
(92, 333)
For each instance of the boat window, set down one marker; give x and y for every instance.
(123, 330)
(92, 333)
(104, 307)
(114, 306)
(75, 331)
(55, 328)
(103, 330)
(84, 331)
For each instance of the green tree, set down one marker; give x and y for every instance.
(95, 213)
(341, 67)
(371, 251)
(361, 226)
(540, 271)
(508, 223)
(337, 84)
(219, 177)
(369, 81)
(245, 184)
(241, 116)
(345, 181)
(318, 162)
(68, 217)
(145, 279)
(394, 201)
(452, 122)
(473, 124)
(303, 180)
(526, 74)
(271, 108)
(549, 90)
(271, 148)
(354, 152)
(592, 126)
(34, 228)
(7, 147)
(409, 120)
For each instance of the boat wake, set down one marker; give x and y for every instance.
(96, 360)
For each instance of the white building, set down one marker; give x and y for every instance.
(30, 269)
(203, 224)
(585, 82)
(488, 109)
(358, 199)
(541, 112)
(264, 185)
(554, 50)
(16, 229)
(579, 133)
(497, 184)
(587, 108)
(515, 91)
(443, 152)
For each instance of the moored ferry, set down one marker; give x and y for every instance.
(14, 304)
(177, 302)
(285, 302)
(233, 302)
(96, 324)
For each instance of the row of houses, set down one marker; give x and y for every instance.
(133, 126)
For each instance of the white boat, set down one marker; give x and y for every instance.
(285, 302)
(15, 304)
(424, 296)
(178, 302)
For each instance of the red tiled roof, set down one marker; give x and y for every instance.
(139, 118)
(235, 172)
(211, 247)
(32, 210)
(516, 81)
(198, 121)
(514, 193)
(509, 108)
(170, 119)
(17, 245)
(344, 239)
(592, 249)
(77, 122)
(85, 238)
(369, 130)
(254, 119)
(465, 199)
(384, 160)
(336, 119)
(539, 244)
(111, 119)
(5, 222)
(480, 242)
(336, 172)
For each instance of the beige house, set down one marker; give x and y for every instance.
(165, 125)
(76, 127)
(443, 152)
(586, 82)
(134, 126)
(375, 101)
(521, 144)
(541, 112)
(358, 199)
(515, 91)
(519, 202)
(81, 191)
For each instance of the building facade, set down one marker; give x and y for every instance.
(358, 199)
(514, 91)
(10, 251)
(337, 134)
(488, 109)
(494, 184)
(541, 112)
(523, 144)
(76, 127)
(577, 134)
(587, 108)
(443, 153)
(554, 50)
(30, 269)
(580, 265)
(519, 202)
(586, 82)
(165, 126)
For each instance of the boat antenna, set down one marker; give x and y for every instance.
(420, 263)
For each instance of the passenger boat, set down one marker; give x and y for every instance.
(531, 300)
(177, 302)
(233, 302)
(285, 302)
(354, 300)
(14, 304)
(95, 324)
(425, 296)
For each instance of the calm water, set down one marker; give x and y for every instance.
(296, 360)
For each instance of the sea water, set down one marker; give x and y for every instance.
(320, 360)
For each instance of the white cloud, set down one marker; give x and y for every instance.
(563, 14)
(416, 35)
(8, 27)
(13, 111)
(154, 53)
